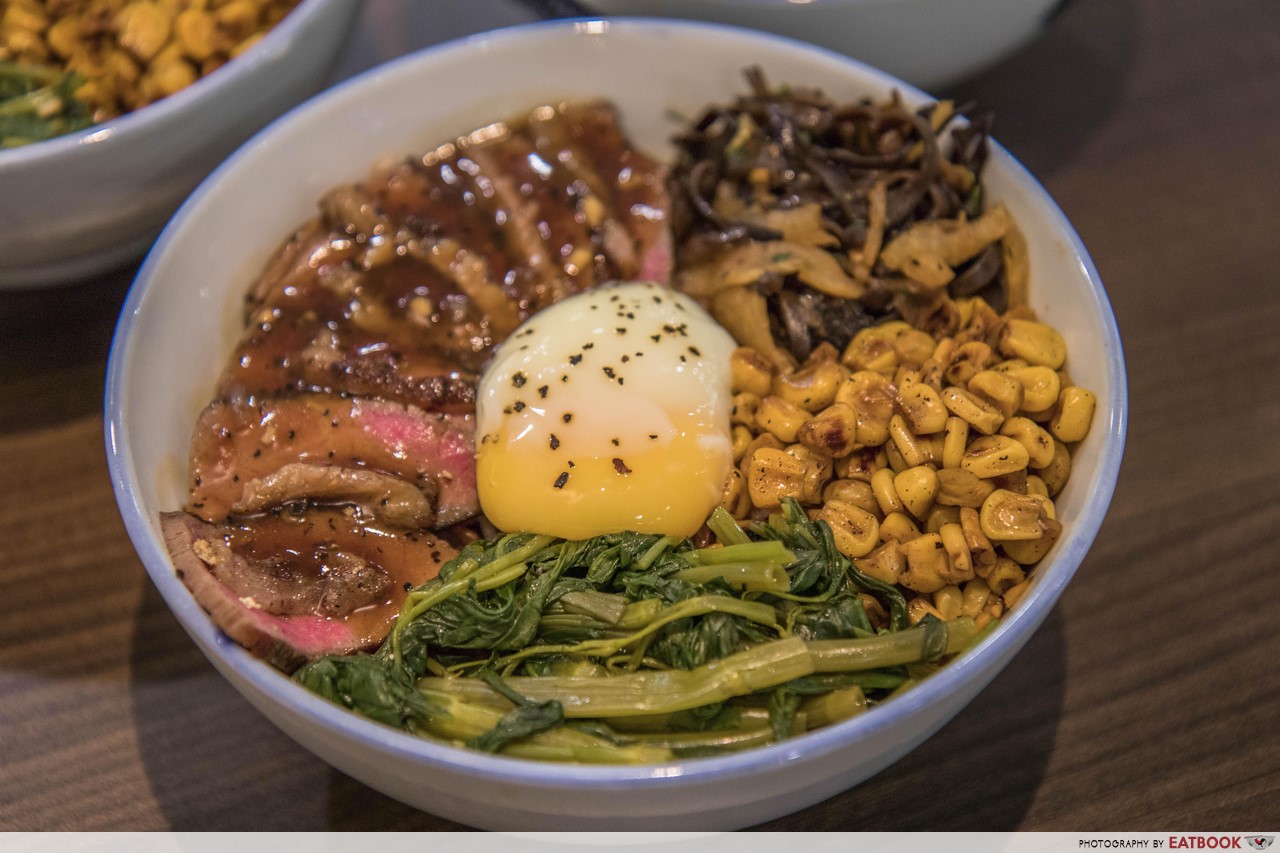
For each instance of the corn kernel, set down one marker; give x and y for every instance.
(832, 432)
(885, 563)
(1038, 443)
(916, 488)
(1007, 516)
(898, 526)
(1075, 413)
(812, 388)
(949, 602)
(856, 532)
(922, 408)
(780, 417)
(1040, 385)
(927, 569)
(1033, 341)
(886, 494)
(750, 371)
(856, 492)
(1004, 574)
(958, 558)
(969, 359)
(994, 456)
(744, 409)
(773, 475)
(871, 396)
(955, 440)
(1055, 474)
(1000, 390)
(979, 414)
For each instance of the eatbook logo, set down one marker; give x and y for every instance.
(1260, 842)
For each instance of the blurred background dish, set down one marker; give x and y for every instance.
(162, 361)
(928, 43)
(95, 198)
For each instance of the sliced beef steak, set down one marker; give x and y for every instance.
(293, 587)
(247, 455)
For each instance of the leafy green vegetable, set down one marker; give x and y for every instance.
(635, 647)
(38, 103)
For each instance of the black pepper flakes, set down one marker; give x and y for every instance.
(518, 405)
(620, 467)
(588, 345)
(653, 436)
(574, 360)
(695, 351)
(555, 442)
(566, 417)
(608, 371)
(614, 442)
(519, 379)
(561, 480)
(542, 391)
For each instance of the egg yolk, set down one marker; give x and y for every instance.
(606, 412)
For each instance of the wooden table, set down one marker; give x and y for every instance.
(1149, 700)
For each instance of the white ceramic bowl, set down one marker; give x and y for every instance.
(88, 201)
(180, 320)
(926, 42)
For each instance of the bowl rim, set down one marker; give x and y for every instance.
(1007, 637)
(136, 122)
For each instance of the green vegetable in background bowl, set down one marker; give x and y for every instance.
(37, 103)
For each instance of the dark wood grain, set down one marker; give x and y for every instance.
(1148, 700)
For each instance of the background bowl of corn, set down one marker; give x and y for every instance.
(112, 111)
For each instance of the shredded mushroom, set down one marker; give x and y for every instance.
(837, 216)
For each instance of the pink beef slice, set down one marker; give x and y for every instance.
(240, 444)
(293, 587)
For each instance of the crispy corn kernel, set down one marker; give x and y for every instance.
(169, 78)
(976, 596)
(1014, 593)
(1075, 413)
(922, 408)
(64, 36)
(969, 359)
(1031, 551)
(195, 30)
(750, 371)
(894, 457)
(954, 441)
(981, 551)
(144, 28)
(734, 497)
(871, 396)
(812, 388)
(1040, 385)
(905, 377)
(933, 370)
(882, 486)
(1055, 474)
(958, 557)
(832, 432)
(872, 348)
(1000, 390)
(916, 488)
(773, 475)
(1028, 433)
(912, 450)
(1004, 574)
(898, 526)
(856, 532)
(994, 456)
(876, 614)
(741, 437)
(856, 492)
(949, 602)
(927, 568)
(960, 487)
(238, 17)
(781, 417)
(817, 472)
(979, 414)
(744, 408)
(914, 347)
(920, 607)
(861, 464)
(885, 563)
(1036, 486)
(1007, 516)
(1033, 341)
(981, 324)
(940, 515)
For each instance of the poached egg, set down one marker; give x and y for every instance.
(608, 411)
